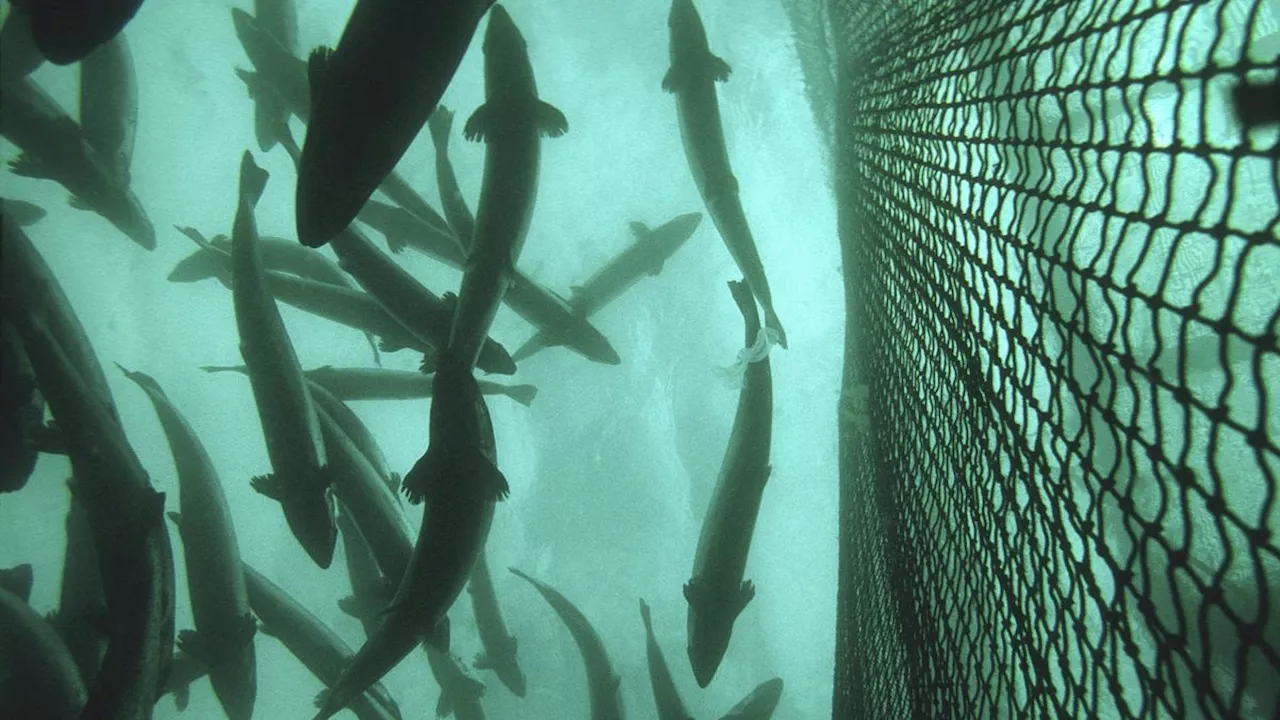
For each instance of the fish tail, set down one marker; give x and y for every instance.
(253, 179)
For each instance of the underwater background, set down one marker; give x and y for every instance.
(1026, 428)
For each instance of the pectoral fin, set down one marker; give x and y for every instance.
(551, 122)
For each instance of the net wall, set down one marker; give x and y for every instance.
(1061, 405)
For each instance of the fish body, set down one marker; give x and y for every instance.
(69, 30)
(283, 75)
(135, 557)
(223, 635)
(369, 98)
(109, 105)
(665, 694)
(280, 19)
(759, 704)
(38, 676)
(349, 383)
(499, 644)
(510, 122)
(81, 615)
(370, 589)
(354, 428)
(692, 78)
(55, 148)
(278, 254)
(644, 257)
(23, 411)
(460, 693)
(717, 592)
(459, 480)
(426, 316)
(405, 229)
(315, 645)
(289, 424)
(21, 56)
(456, 212)
(602, 682)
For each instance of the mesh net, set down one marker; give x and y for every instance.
(1061, 405)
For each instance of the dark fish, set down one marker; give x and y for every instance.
(68, 30)
(459, 479)
(300, 482)
(27, 275)
(277, 254)
(348, 383)
(350, 307)
(311, 641)
(22, 212)
(18, 580)
(369, 98)
(81, 617)
(460, 693)
(351, 426)
(644, 257)
(22, 409)
(223, 635)
(38, 677)
(602, 681)
(280, 19)
(510, 122)
(20, 56)
(109, 105)
(461, 221)
(665, 695)
(126, 513)
(404, 229)
(759, 704)
(54, 148)
(692, 78)
(717, 593)
(416, 308)
(183, 671)
(499, 644)
(370, 589)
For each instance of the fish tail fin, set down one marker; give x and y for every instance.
(144, 381)
(440, 124)
(646, 616)
(523, 394)
(773, 326)
(253, 179)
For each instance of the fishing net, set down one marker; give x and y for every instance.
(1061, 406)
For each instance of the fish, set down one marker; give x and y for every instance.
(18, 580)
(54, 147)
(644, 257)
(278, 254)
(456, 212)
(67, 31)
(665, 694)
(21, 56)
(39, 678)
(280, 19)
(692, 79)
(300, 481)
(359, 434)
(317, 646)
(460, 693)
(224, 627)
(26, 275)
(22, 212)
(417, 309)
(759, 704)
(81, 615)
(348, 383)
(23, 409)
(459, 479)
(510, 122)
(499, 644)
(602, 682)
(370, 96)
(126, 514)
(351, 307)
(403, 229)
(183, 670)
(109, 105)
(717, 593)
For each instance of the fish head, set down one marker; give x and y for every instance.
(708, 641)
(507, 69)
(760, 702)
(685, 225)
(126, 213)
(511, 675)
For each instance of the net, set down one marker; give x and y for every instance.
(1061, 405)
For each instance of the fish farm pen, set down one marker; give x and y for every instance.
(671, 359)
